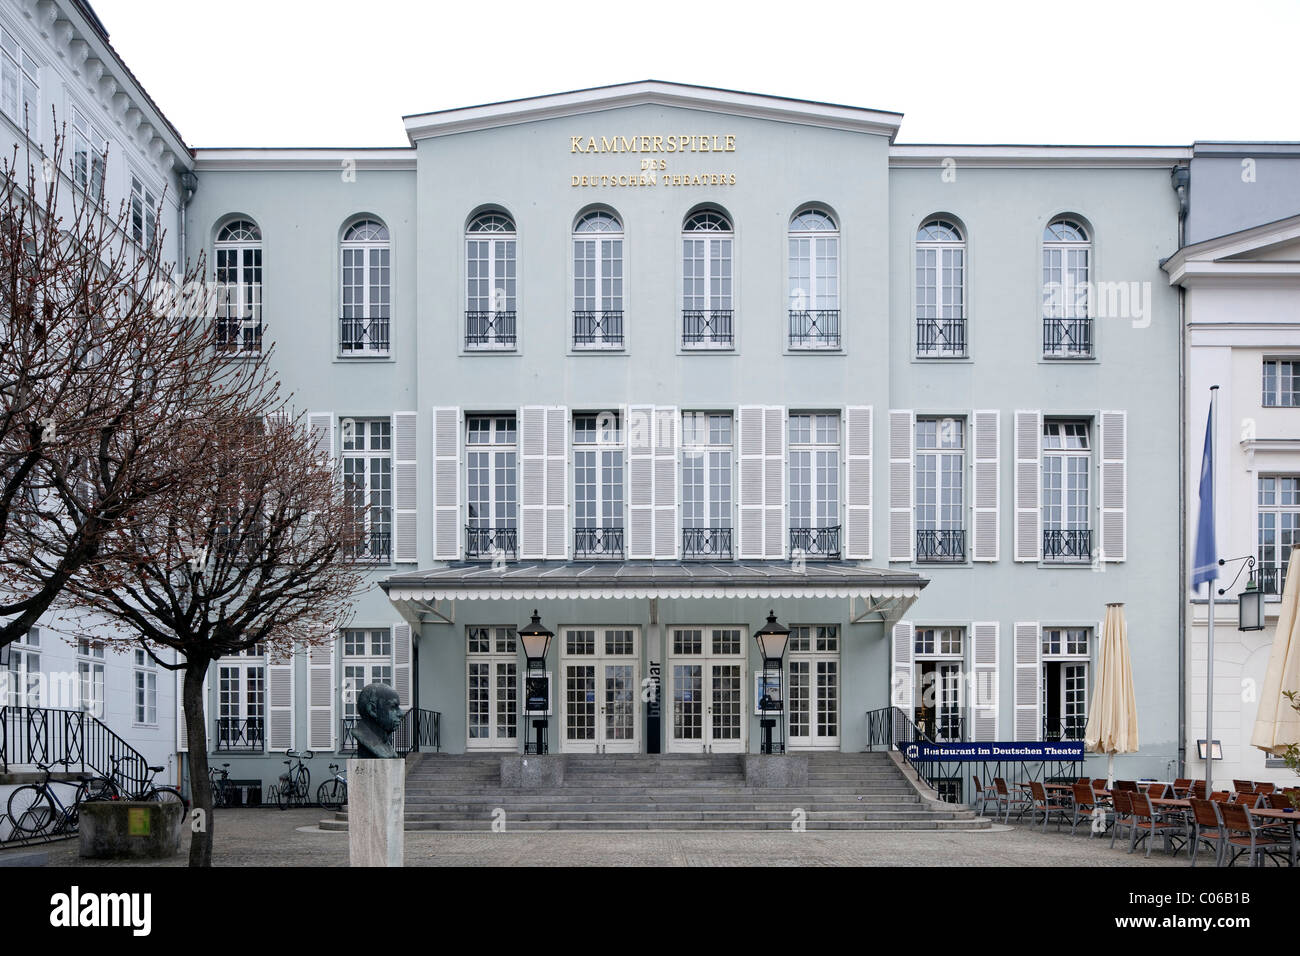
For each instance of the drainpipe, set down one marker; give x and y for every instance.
(1181, 179)
(189, 185)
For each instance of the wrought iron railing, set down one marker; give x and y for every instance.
(487, 542)
(598, 329)
(48, 735)
(363, 335)
(239, 336)
(706, 542)
(240, 735)
(1067, 337)
(419, 730)
(486, 330)
(941, 338)
(815, 542)
(1067, 546)
(1064, 728)
(1272, 578)
(372, 546)
(597, 542)
(938, 547)
(941, 726)
(815, 329)
(708, 328)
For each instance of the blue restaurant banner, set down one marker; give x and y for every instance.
(967, 752)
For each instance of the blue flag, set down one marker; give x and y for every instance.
(1205, 560)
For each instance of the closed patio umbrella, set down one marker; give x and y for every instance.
(1112, 717)
(1276, 723)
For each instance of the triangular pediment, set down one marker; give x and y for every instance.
(1271, 250)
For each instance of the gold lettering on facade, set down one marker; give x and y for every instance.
(650, 143)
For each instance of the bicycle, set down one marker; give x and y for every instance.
(333, 793)
(36, 807)
(295, 782)
(223, 794)
(148, 792)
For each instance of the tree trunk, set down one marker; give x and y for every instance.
(196, 729)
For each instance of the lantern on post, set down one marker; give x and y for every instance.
(772, 639)
(536, 641)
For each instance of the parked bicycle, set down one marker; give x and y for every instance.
(333, 793)
(36, 809)
(223, 794)
(295, 782)
(149, 791)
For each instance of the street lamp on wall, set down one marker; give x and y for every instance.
(1250, 602)
(536, 641)
(772, 639)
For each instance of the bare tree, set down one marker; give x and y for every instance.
(255, 548)
(107, 361)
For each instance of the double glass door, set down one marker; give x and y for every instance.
(706, 677)
(600, 678)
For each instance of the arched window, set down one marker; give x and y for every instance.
(490, 277)
(598, 281)
(1067, 261)
(814, 280)
(940, 289)
(707, 316)
(239, 287)
(366, 291)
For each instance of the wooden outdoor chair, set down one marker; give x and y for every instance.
(1240, 785)
(1280, 801)
(1156, 790)
(1220, 796)
(1049, 805)
(1181, 787)
(1206, 828)
(1198, 789)
(1265, 787)
(1129, 786)
(1147, 823)
(1005, 798)
(1087, 806)
(1247, 836)
(984, 792)
(1123, 806)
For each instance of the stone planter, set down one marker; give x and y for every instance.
(127, 829)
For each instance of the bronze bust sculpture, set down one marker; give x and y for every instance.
(378, 713)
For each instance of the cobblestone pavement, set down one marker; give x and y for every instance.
(274, 838)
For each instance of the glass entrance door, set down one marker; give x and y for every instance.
(600, 669)
(706, 676)
(813, 688)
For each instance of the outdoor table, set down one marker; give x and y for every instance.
(1285, 816)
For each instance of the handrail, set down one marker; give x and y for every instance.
(32, 735)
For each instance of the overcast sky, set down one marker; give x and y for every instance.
(329, 73)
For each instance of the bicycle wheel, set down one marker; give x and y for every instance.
(31, 811)
(284, 795)
(332, 794)
(167, 795)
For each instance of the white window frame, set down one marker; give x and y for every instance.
(812, 644)
(703, 442)
(23, 679)
(145, 685)
(819, 270)
(1273, 397)
(824, 505)
(144, 212)
(377, 448)
(945, 646)
(1069, 514)
(1060, 645)
(1283, 537)
(1067, 265)
(89, 149)
(254, 660)
(602, 312)
(940, 256)
(944, 464)
(708, 238)
(501, 451)
(369, 241)
(502, 651)
(92, 685)
(241, 299)
(20, 86)
(369, 652)
(608, 451)
(496, 230)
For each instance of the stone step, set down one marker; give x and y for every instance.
(614, 825)
(807, 801)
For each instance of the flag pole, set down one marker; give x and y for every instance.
(1209, 629)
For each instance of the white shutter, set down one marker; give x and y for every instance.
(984, 668)
(402, 664)
(320, 698)
(1029, 678)
(774, 527)
(902, 648)
(405, 485)
(182, 731)
(667, 440)
(279, 701)
(557, 483)
(751, 481)
(1113, 443)
(986, 480)
(446, 482)
(857, 454)
(532, 481)
(639, 425)
(321, 427)
(1029, 445)
(902, 536)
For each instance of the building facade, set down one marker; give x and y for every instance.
(654, 360)
(1240, 280)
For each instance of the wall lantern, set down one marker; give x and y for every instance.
(1250, 602)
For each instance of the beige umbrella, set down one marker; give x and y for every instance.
(1112, 717)
(1276, 723)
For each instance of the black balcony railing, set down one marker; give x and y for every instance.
(1272, 578)
(596, 329)
(705, 328)
(1067, 338)
(240, 734)
(940, 726)
(363, 335)
(486, 542)
(239, 335)
(597, 543)
(937, 547)
(815, 542)
(376, 546)
(940, 337)
(818, 329)
(706, 542)
(1067, 546)
(486, 330)
(1064, 728)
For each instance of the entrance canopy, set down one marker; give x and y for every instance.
(426, 596)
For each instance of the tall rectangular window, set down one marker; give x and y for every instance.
(1279, 527)
(367, 659)
(939, 654)
(1065, 682)
(940, 499)
(491, 485)
(90, 676)
(368, 485)
(814, 482)
(19, 85)
(598, 485)
(1281, 383)
(88, 151)
(814, 277)
(144, 213)
(366, 292)
(491, 281)
(23, 678)
(1066, 505)
(598, 281)
(706, 484)
(146, 689)
(241, 701)
(492, 688)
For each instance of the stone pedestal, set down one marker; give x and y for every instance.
(127, 829)
(775, 770)
(525, 772)
(376, 812)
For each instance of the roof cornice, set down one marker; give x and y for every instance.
(303, 160)
(652, 93)
(930, 156)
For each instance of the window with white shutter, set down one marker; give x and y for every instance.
(1029, 539)
(640, 481)
(598, 485)
(858, 427)
(491, 486)
(321, 427)
(1114, 485)
(987, 482)
(814, 499)
(902, 648)
(667, 440)
(320, 698)
(939, 505)
(543, 494)
(280, 706)
(1028, 676)
(902, 539)
(984, 667)
(706, 485)
(182, 732)
(751, 481)
(405, 486)
(402, 664)
(446, 483)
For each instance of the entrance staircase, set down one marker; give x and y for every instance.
(863, 791)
